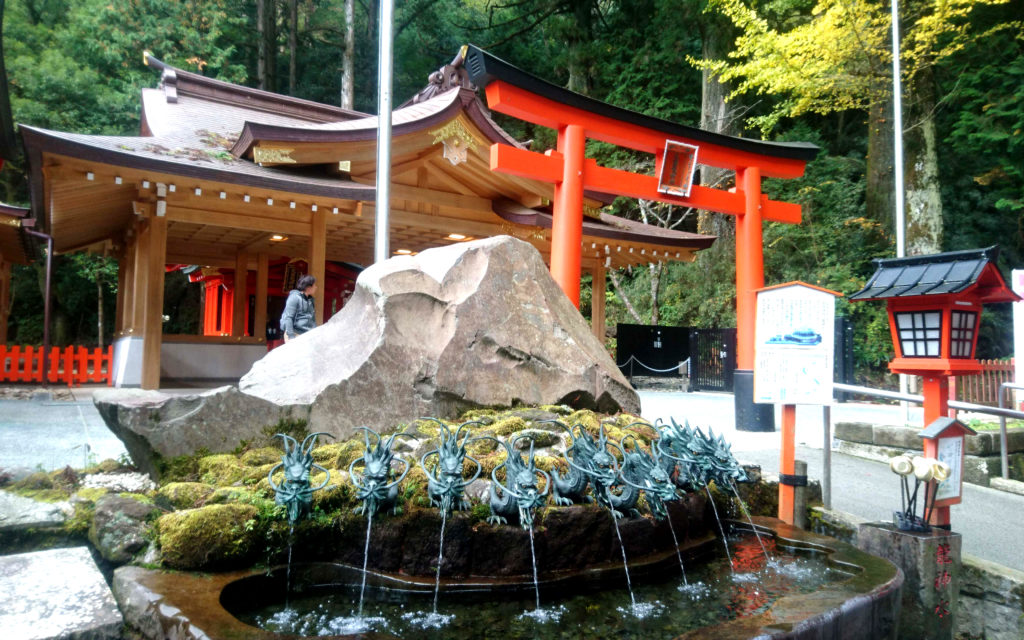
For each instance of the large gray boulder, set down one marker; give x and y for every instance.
(477, 324)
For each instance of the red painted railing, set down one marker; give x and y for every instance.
(70, 365)
(982, 388)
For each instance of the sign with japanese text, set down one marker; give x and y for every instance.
(794, 350)
(950, 451)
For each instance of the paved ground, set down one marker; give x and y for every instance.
(51, 435)
(989, 520)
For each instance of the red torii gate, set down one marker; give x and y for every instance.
(575, 117)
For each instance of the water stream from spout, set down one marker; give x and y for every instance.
(675, 541)
(288, 571)
(440, 555)
(743, 507)
(366, 556)
(625, 564)
(725, 542)
(533, 557)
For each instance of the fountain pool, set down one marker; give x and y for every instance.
(814, 588)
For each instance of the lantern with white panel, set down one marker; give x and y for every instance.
(934, 304)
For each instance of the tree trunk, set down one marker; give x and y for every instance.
(921, 168)
(293, 39)
(656, 271)
(578, 39)
(261, 43)
(348, 61)
(717, 115)
(880, 202)
(99, 310)
(613, 275)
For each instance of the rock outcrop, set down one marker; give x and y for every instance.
(478, 324)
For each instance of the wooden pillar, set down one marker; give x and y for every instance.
(5, 298)
(241, 298)
(787, 464)
(597, 299)
(318, 260)
(749, 265)
(152, 334)
(259, 324)
(122, 289)
(139, 279)
(567, 217)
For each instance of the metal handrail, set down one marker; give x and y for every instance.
(1003, 447)
(1000, 411)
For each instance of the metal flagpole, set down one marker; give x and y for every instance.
(897, 138)
(381, 249)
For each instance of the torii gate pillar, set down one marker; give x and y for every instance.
(749, 278)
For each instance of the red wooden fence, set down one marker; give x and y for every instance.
(71, 365)
(982, 388)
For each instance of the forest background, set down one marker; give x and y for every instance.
(810, 70)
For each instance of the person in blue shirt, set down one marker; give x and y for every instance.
(300, 310)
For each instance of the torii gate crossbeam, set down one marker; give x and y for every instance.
(576, 118)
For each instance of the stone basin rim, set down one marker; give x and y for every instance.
(164, 603)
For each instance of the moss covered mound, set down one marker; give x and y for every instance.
(216, 536)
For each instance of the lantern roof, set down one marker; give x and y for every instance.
(940, 425)
(947, 273)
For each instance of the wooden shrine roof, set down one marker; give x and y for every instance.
(235, 165)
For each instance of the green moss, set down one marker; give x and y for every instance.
(262, 456)
(43, 495)
(33, 482)
(180, 468)
(91, 494)
(591, 421)
(505, 426)
(560, 409)
(106, 466)
(222, 469)
(211, 537)
(185, 495)
(338, 455)
(78, 524)
(225, 495)
(138, 497)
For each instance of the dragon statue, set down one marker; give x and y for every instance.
(570, 488)
(445, 484)
(520, 495)
(374, 487)
(295, 492)
(646, 472)
(602, 470)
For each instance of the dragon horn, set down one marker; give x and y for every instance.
(287, 438)
(313, 437)
(270, 475)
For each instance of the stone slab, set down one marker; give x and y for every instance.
(56, 594)
(1011, 486)
(18, 512)
(991, 601)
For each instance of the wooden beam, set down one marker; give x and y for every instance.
(318, 260)
(240, 300)
(152, 334)
(597, 300)
(259, 324)
(236, 221)
(5, 298)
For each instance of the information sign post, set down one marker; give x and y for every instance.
(794, 354)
